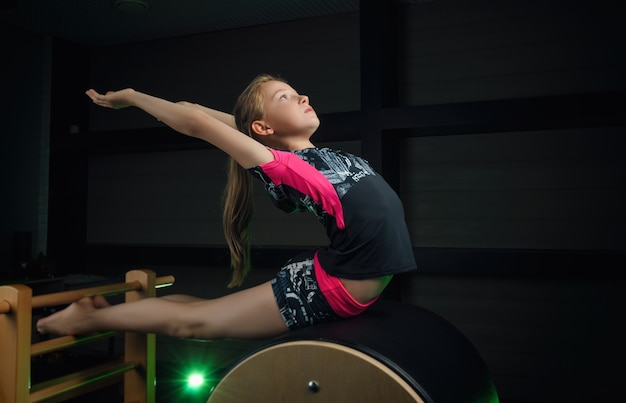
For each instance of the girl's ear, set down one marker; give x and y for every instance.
(261, 128)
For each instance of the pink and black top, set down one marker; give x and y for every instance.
(362, 214)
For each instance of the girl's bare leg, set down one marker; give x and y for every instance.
(250, 313)
(182, 298)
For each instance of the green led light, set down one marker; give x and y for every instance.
(195, 380)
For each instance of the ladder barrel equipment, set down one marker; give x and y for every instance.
(136, 369)
(393, 352)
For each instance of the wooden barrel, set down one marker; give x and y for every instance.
(394, 352)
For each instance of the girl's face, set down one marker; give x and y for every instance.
(286, 111)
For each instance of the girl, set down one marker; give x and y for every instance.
(268, 138)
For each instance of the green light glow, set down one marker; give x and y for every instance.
(195, 380)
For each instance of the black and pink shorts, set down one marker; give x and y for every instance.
(307, 295)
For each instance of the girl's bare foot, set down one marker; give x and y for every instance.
(99, 301)
(71, 320)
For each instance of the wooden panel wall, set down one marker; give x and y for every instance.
(545, 189)
(459, 51)
(156, 198)
(213, 69)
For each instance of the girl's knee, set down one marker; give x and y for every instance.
(195, 323)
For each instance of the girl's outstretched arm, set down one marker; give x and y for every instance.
(219, 115)
(191, 121)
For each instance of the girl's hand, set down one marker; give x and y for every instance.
(112, 99)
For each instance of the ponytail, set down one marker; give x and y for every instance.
(236, 219)
(237, 202)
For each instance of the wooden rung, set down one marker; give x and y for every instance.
(81, 382)
(164, 281)
(67, 297)
(59, 343)
(5, 307)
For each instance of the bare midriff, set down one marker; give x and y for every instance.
(366, 290)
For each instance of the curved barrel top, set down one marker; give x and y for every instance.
(428, 352)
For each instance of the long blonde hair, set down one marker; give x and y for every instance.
(237, 201)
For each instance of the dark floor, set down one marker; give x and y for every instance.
(171, 386)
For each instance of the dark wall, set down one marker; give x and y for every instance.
(24, 129)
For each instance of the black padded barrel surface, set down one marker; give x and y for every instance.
(429, 354)
(422, 347)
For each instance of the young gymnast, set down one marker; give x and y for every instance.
(268, 138)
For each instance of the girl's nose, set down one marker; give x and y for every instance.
(304, 99)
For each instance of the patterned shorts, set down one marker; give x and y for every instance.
(297, 293)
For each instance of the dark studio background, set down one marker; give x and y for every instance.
(500, 124)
